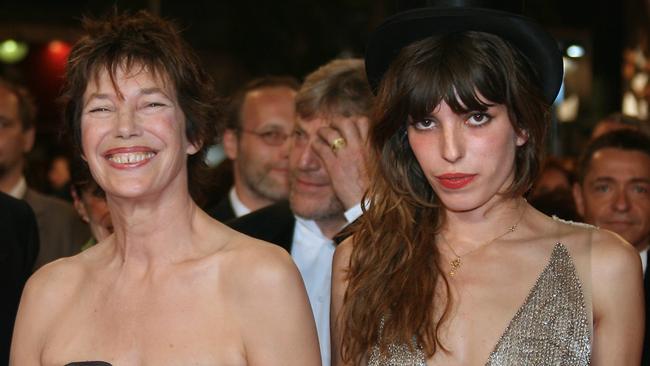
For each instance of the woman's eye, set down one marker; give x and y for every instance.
(424, 124)
(99, 109)
(155, 105)
(478, 119)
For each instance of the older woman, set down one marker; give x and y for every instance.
(171, 286)
(449, 264)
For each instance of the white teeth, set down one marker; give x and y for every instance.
(131, 158)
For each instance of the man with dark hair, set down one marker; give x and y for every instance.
(62, 233)
(613, 192)
(18, 252)
(327, 180)
(618, 121)
(256, 141)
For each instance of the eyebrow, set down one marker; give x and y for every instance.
(640, 180)
(607, 179)
(145, 91)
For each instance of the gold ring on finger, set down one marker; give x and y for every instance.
(338, 144)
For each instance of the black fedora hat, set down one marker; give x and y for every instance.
(501, 18)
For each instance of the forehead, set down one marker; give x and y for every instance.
(271, 95)
(124, 80)
(312, 124)
(619, 164)
(8, 103)
(272, 105)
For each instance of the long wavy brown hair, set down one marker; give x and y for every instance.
(394, 271)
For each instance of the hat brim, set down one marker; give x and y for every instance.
(528, 37)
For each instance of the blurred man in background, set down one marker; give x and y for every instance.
(613, 193)
(260, 122)
(60, 230)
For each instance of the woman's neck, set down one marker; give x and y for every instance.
(153, 229)
(473, 228)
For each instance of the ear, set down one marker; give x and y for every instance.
(522, 137)
(193, 148)
(79, 206)
(230, 143)
(578, 198)
(28, 139)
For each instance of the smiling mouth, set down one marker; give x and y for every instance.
(130, 157)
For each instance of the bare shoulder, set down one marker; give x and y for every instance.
(601, 251)
(48, 292)
(612, 256)
(258, 263)
(56, 278)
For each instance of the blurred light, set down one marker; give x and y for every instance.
(58, 50)
(575, 51)
(12, 51)
(57, 47)
(215, 155)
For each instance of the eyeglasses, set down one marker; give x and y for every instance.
(272, 138)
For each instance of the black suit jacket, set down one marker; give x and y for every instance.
(274, 223)
(18, 251)
(222, 211)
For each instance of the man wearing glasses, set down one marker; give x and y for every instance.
(256, 140)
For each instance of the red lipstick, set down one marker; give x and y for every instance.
(455, 180)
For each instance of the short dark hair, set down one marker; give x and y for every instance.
(26, 106)
(629, 140)
(233, 121)
(339, 87)
(142, 40)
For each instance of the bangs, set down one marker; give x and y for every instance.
(466, 78)
(113, 62)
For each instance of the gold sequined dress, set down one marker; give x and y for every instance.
(552, 327)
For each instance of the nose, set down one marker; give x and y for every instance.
(285, 148)
(127, 126)
(307, 160)
(452, 142)
(621, 201)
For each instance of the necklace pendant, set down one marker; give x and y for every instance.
(455, 265)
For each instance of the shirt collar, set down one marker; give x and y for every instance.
(237, 205)
(19, 190)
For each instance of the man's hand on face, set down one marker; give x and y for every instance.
(343, 147)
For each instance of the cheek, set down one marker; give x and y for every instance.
(89, 140)
(422, 148)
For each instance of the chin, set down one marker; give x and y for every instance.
(460, 202)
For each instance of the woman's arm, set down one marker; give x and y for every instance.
(618, 301)
(339, 286)
(277, 322)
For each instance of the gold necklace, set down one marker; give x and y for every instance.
(456, 262)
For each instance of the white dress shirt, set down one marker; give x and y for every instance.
(313, 252)
(19, 190)
(237, 205)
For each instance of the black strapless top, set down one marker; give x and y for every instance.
(89, 363)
